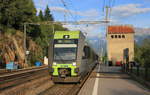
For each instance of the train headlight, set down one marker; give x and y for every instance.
(54, 63)
(76, 70)
(74, 64)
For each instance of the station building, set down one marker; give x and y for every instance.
(119, 39)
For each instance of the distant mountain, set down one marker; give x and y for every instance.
(141, 34)
(142, 31)
(139, 39)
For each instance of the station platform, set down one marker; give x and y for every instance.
(106, 80)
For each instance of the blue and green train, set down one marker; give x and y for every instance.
(72, 58)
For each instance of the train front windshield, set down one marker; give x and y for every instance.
(62, 54)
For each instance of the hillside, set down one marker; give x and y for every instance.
(11, 49)
(141, 34)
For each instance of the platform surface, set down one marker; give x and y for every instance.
(111, 81)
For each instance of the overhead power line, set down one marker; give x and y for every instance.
(108, 7)
(104, 5)
(72, 6)
(65, 5)
(69, 22)
(112, 5)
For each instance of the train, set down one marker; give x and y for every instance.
(70, 57)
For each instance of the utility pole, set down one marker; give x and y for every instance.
(106, 19)
(107, 13)
(25, 58)
(65, 18)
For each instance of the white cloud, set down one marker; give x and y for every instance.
(142, 31)
(44, 3)
(128, 10)
(88, 13)
(38, 10)
(90, 31)
(59, 9)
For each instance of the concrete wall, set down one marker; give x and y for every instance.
(116, 46)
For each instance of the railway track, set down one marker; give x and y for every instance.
(14, 78)
(66, 88)
(4, 71)
(9, 81)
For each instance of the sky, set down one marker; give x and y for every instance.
(132, 12)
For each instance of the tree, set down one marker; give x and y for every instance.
(16, 12)
(142, 53)
(138, 54)
(146, 52)
(13, 13)
(43, 33)
(47, 15)
(41, 15)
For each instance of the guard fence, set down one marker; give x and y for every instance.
(138, 71)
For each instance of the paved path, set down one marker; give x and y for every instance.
(111, 81)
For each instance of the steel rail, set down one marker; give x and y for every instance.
(66, 88)
(11, 80)
(5, 72)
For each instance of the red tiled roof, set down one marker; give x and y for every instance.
(120, 29)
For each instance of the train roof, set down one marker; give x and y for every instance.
(69, 34)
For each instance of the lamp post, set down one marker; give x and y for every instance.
(25, 29)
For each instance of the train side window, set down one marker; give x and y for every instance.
(86, 51)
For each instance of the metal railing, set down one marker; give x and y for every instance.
(141, 73)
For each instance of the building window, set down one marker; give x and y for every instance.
(119, 36)
(116, 36)
(112, 36)
(123, 36)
